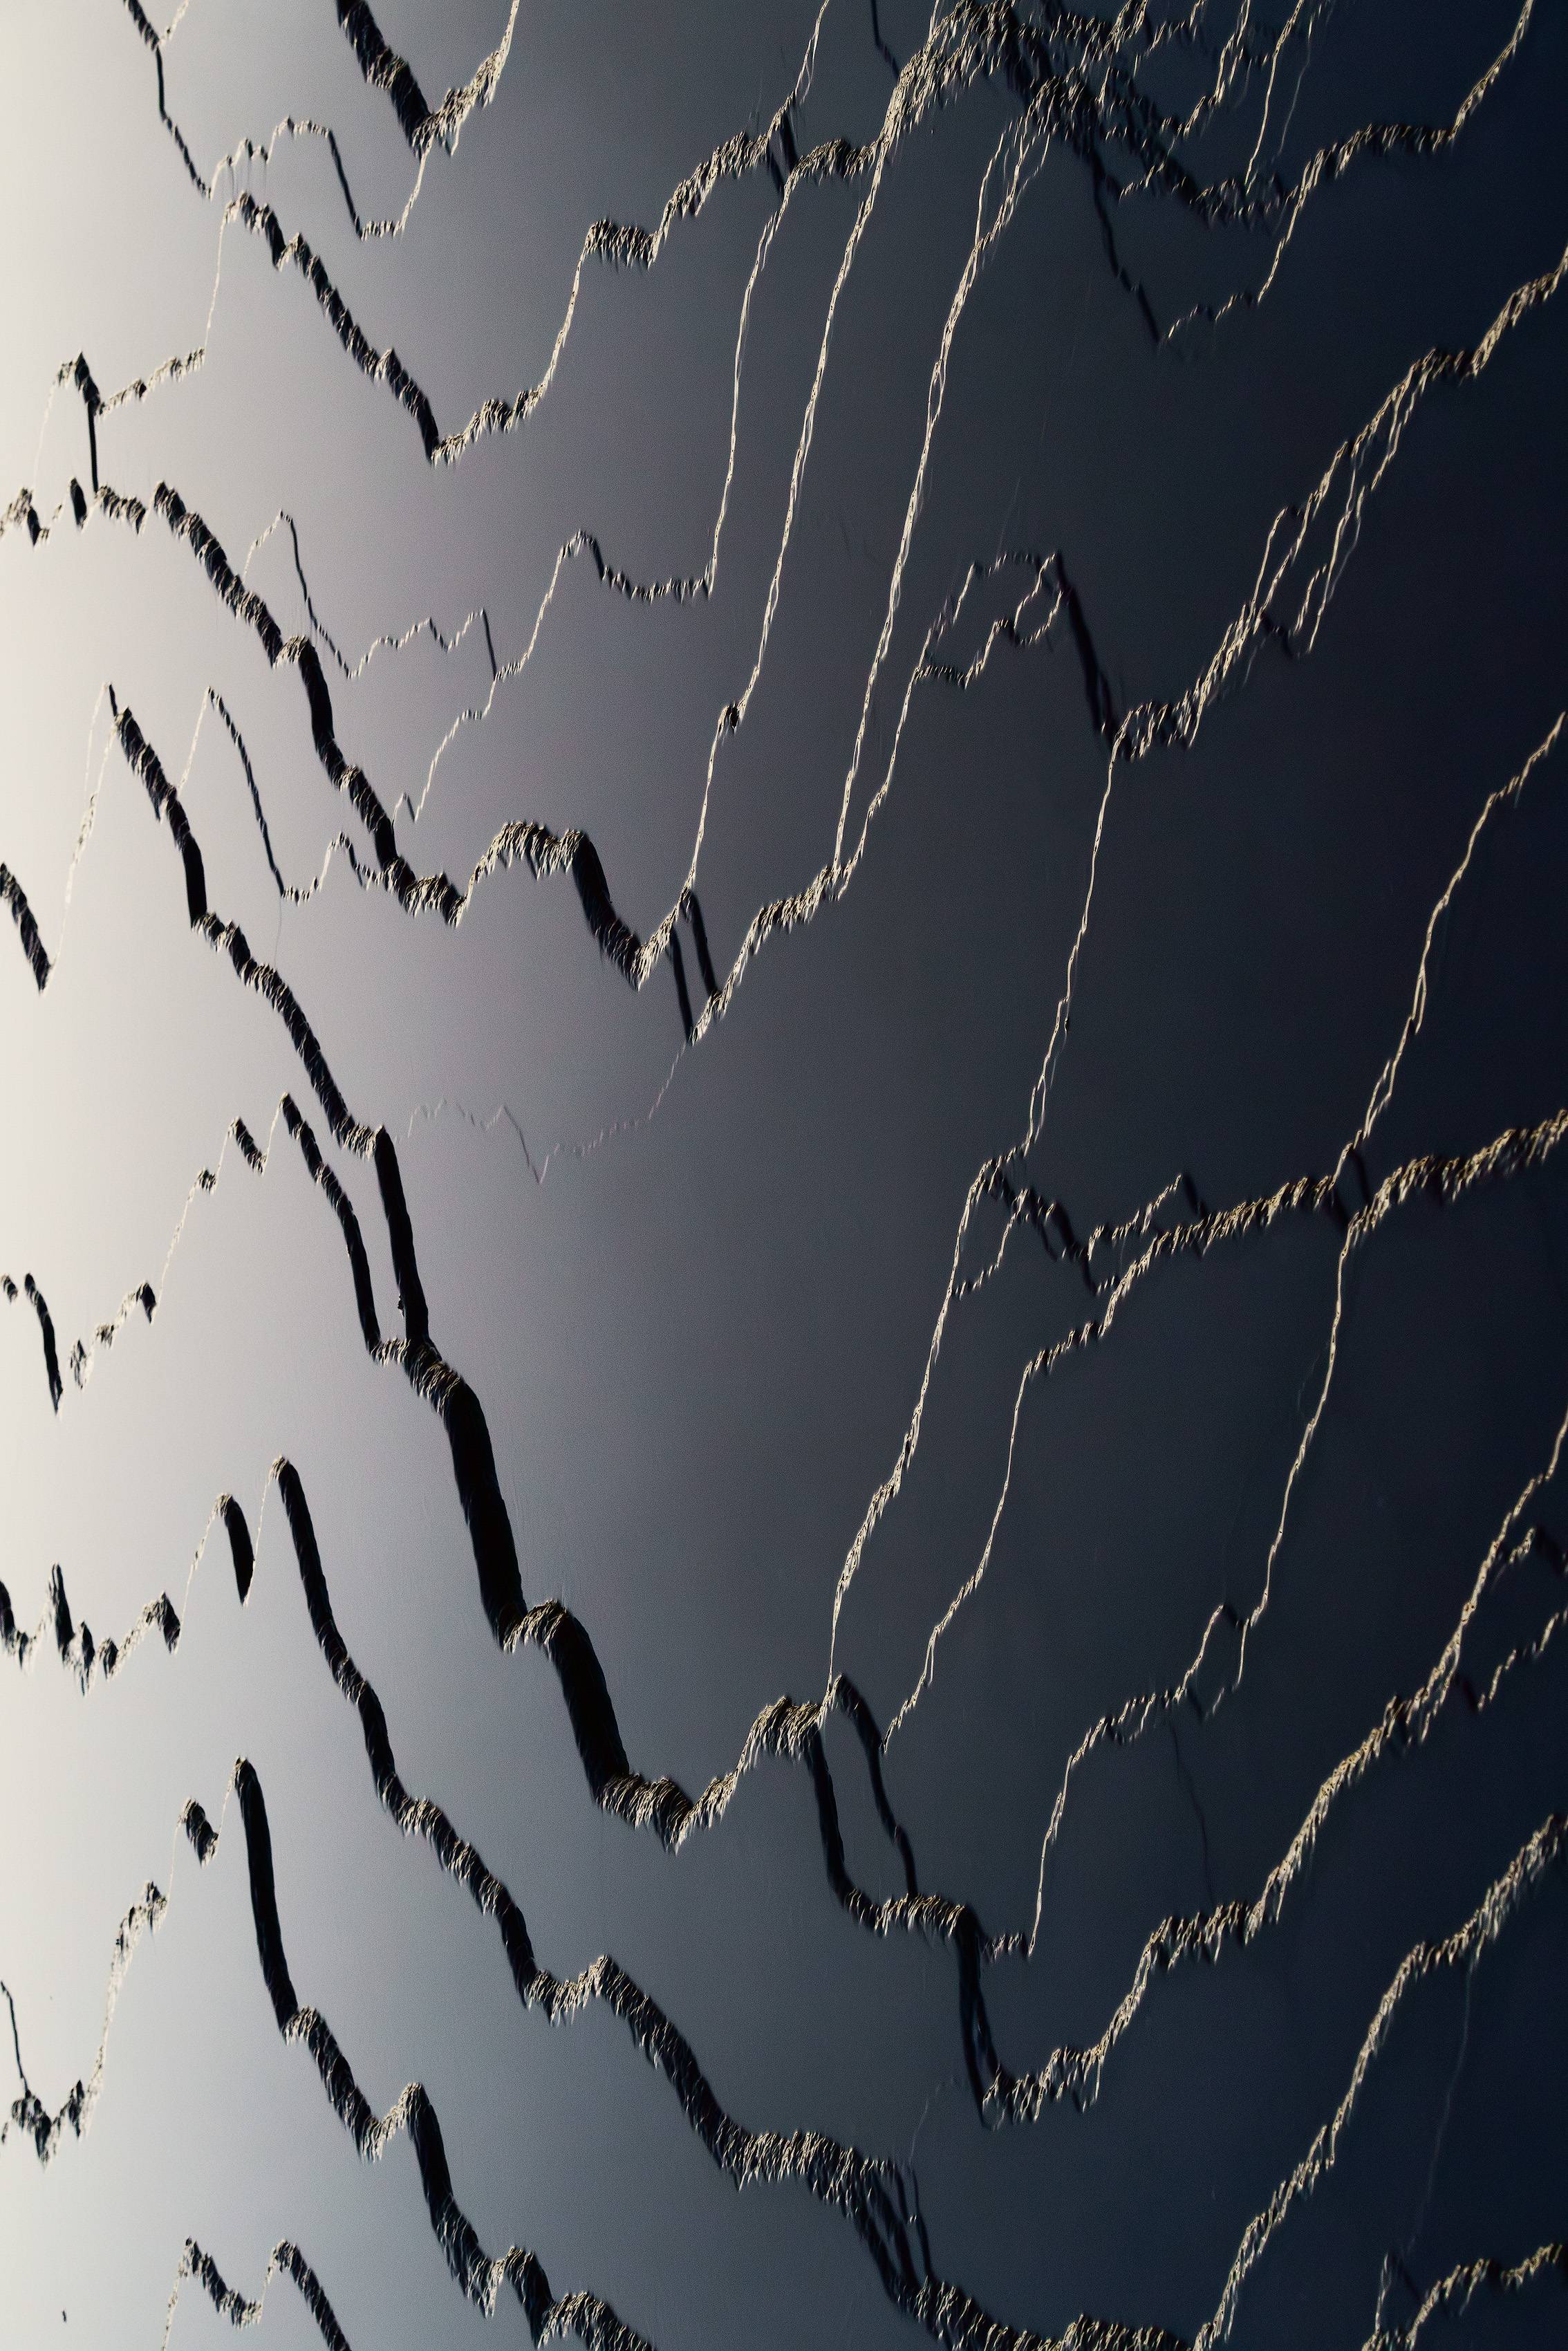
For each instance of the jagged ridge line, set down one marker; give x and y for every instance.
(80, 1655)
(619, 244)
(484, 1123)
(536, 846)
(292, 893)
(573, 851)
(144, 1918)
(1024, 167)
(1458, 2288)
(705, 580)
(76, 1648)
(947, 2312)
(861, 2187)
(1381, 1094)
(834, 2173)
(583, 541)
(1027, 143)
(680, 588)
(285, 2260)
(976, 40)
(1379, 141)
(198, 854)
(395, 641)
(1449, 1175)
(1466, 1947)
(659, 1802)
(1404, 1727)
(1137, 1715)
(29, 1289)
(854, 2184)
(607, 927)
(1138, 733)
(1149, 726)
(14, 898)
(1449, 1180)
(1025, 1203)
(1039, 1098)
(383, 69)
(785, 913)
(97, 403)
(1068, 2072)
(256, 1157)
(78, 373)
(435, 1381)
(123, 501)
(1000, 2095)
(734, 714)
(783, 1727)
(424, 128)
(944, 2308)
(1365, 459)
(858, 2186)
(27, 2113)
(1504, 796)
(22, 514)
(147, 1296)
(1384, 140)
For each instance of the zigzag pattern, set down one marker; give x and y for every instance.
(1200, 118)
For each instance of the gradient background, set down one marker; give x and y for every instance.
(699, 1339)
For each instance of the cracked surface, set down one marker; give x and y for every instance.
(887, 1417)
